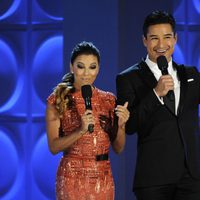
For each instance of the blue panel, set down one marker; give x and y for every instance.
(47, 68)
(14, 158)
(8, 7)
(44, 166)
(197, 5)
(177, 4)
(189, 13)
(179, 50)
(31, 54)
(8, 77)
(8, 167)
(194, 12)
(178, 55)
(14, 12)
(47, 11)
(53, 8)
(194, 49)
(179, 11)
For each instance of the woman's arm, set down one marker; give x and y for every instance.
(123, 115)
(56, 143)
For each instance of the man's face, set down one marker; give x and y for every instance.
(160, 41)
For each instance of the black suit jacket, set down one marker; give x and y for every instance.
(166, 142)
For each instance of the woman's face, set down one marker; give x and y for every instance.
(85, 69)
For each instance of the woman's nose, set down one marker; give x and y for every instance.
(86, 72)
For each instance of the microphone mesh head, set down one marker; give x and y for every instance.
(162, 63)
(86, 91)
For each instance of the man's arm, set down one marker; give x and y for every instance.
(142, 104)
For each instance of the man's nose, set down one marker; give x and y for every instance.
(161, 43)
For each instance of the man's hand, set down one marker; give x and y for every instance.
(165, 83)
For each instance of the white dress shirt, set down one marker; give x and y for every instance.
(157, 73)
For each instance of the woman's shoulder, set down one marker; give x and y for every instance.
(106, 95)
(51, 99)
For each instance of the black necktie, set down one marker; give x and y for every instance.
(169, 100)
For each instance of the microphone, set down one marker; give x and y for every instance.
(163, 65)
(86, 91)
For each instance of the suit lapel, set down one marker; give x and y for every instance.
(148, 77)
(151, 81)
(183, 85)
(146, 74)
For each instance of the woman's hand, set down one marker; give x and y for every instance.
(123, 115)
(87, 118)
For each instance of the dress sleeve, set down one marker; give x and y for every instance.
(112, 100)
(51, 99)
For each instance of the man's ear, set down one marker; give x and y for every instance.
(144, 41)
(176, 38)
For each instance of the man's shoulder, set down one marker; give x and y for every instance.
(130, 70)
(187, 68)
(191, 68)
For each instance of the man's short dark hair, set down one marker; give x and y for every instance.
(158, 17)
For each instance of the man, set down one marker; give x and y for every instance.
(168, 151)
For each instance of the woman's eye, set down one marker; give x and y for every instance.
(93, 67)
(80, 66)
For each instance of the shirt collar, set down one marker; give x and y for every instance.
(154, 67)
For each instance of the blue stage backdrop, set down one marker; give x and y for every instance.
(36, 39)
(31, 63)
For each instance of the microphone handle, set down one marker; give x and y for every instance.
(170, 92)
(171, 95)
(91, 128)
(88, 106)
(164, 72)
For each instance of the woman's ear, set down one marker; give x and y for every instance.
(71, 68)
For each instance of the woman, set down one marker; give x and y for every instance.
(84, 172)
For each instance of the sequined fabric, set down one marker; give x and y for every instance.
(79, 175)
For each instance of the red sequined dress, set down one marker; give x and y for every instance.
(80, 176)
